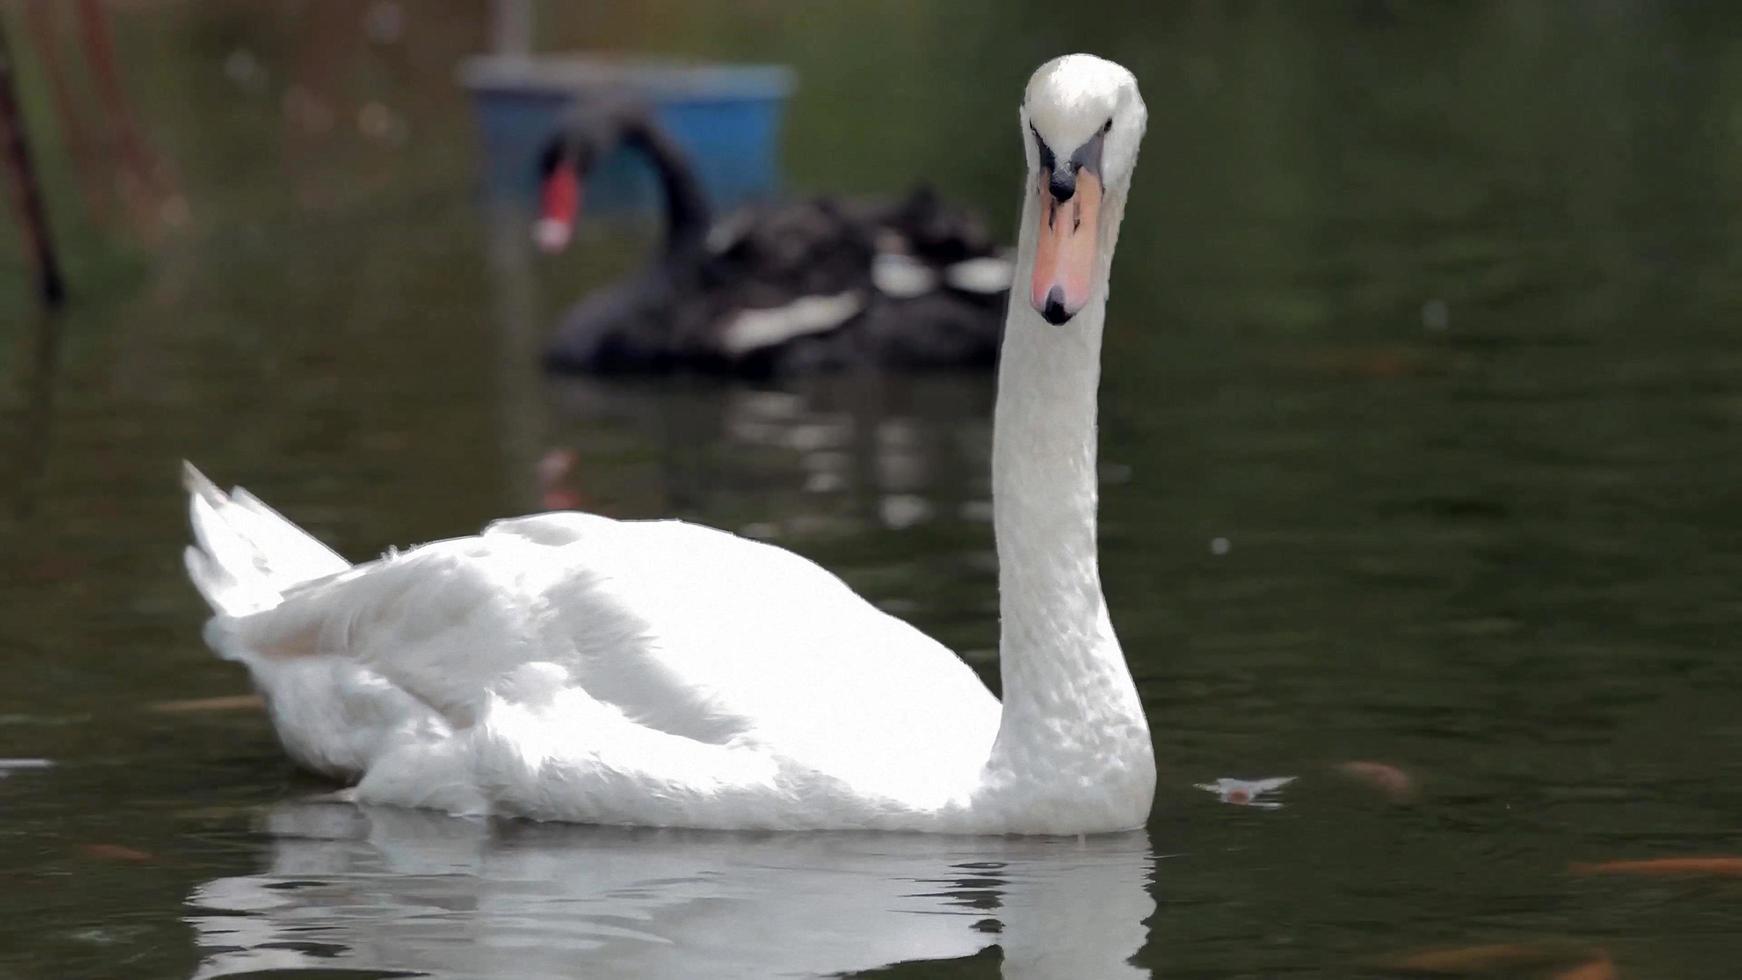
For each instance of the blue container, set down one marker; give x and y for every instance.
(725, 117)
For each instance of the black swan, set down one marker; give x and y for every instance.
(775, 289)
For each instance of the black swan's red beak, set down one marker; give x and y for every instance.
(559, 207)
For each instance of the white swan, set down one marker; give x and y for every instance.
(567, 666)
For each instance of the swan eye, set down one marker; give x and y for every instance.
(1108, 128)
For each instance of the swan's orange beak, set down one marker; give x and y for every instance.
(559, 207)
(1068, 236)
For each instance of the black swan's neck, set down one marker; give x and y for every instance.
(686, 208)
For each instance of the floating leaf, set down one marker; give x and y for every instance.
(1378, 362)
(1601, 968)
(227, 702)
(1721, 866)
(1466, 960)
(116, 852)
(1396, 784)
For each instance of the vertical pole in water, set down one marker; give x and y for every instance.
(41, 34)
(511, 27)
(99, 44)
(26, 192)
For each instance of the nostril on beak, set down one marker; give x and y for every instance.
(1062, 184)
(1054, 311)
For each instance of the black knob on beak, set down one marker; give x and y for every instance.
(1054, 312)
(1062, 184)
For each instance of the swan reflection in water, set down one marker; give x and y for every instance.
(400, 890)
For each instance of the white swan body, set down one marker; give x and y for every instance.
(567, 666)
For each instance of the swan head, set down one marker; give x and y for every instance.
(587, 134)
(1082, 121)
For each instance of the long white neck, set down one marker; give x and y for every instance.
(1071, 712)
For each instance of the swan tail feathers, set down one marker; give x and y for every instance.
(245, 553)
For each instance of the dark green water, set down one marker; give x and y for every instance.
(1426, 311)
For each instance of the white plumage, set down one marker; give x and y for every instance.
(568, 666)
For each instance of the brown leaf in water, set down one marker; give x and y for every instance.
(1601, 968)
(1396, 784)
(1720, 866)
(1355, 362)
(1480, 959)
(59, 568)
(116, 852)
(227, 702)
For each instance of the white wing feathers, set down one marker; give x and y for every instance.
(247, 553)
(442, 621)
(570, 621)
